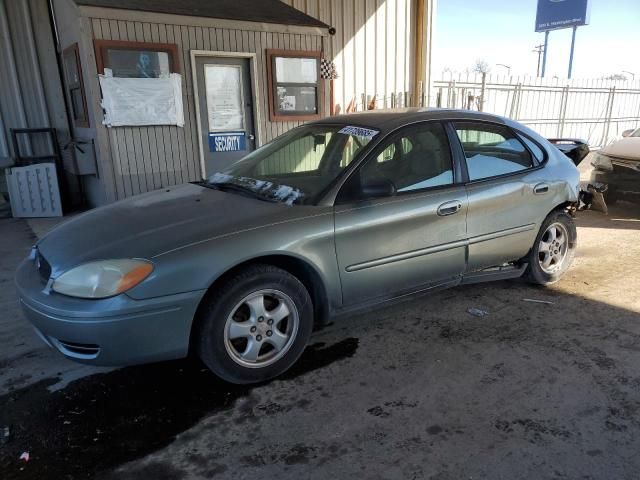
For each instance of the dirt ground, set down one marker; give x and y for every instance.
(417, 390)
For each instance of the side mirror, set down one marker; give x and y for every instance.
(626, 133)
(378, 188)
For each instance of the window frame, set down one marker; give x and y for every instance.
(276, 115)
(70, 87)
(382, 144)
(100, 47)
(462, 159)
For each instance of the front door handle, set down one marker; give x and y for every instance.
(449, 208)
(541, 189)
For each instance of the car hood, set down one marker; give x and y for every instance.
(153, 223)
(627, 148)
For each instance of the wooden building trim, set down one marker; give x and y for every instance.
(274, 116)
(171, 48)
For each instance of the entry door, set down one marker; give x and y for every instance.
(396, 244)
(226, 110)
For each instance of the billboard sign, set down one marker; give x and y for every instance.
(555, 14)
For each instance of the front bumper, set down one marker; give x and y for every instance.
(628, 183)
(113, 331)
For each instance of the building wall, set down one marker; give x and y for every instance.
(373, 48)
(134, 160)
(72, 29)
(30, 93)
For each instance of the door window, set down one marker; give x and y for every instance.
(225, 102)
(491, 150)
(417, 158)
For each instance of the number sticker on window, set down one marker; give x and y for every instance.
(359, 132)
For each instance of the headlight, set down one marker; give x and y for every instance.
(602, 162)
(101, 279)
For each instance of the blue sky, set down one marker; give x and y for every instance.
(502, 31)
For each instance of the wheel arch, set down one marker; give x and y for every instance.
(296, 266)
(567, 207)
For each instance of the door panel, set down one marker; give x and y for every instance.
(399, 244)
(508, 198)
(225, 99)
(410, 240)
(502, 221)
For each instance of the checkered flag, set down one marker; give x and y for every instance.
(328, 69)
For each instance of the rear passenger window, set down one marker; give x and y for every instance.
(534, 148)
(491, 150)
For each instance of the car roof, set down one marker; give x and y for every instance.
(390, 119)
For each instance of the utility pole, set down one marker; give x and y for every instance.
(538, 49)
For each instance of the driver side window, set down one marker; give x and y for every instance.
(418, 157)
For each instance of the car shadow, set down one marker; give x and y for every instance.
(622, 215)
(99, 422)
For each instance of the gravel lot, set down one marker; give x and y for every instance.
(417, 390)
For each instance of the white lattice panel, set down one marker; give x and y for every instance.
(34, 191)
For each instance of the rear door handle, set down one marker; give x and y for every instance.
(541, 188)
(449, 208)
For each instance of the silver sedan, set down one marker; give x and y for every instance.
(332, 217)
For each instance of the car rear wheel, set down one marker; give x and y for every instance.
(554, 249)
(256, 326)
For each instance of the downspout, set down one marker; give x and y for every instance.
(56, 39)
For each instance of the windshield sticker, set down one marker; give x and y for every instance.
(359, 132)
(287, 194)
(220, 178)
(281, 193)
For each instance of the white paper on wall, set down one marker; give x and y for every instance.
(142, 101)
(225, 102)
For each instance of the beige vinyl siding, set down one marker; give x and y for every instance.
(148, 158)
(372, 47)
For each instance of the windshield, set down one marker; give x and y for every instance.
(298, 166)
(635, 133)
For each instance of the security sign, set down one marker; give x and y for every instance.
(227, 142)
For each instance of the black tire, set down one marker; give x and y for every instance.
(211, 343)
(535, 272)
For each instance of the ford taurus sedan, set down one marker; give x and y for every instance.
(332, 217)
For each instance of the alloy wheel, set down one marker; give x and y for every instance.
(261, 328)
(553, 247)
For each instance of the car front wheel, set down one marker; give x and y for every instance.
(256, 326)
(554, 249)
